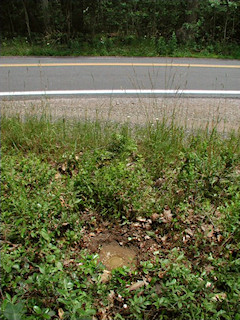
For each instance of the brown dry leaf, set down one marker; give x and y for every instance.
(210, 232)
(161, 274)
(159, 182)
(137, 285)
(111, 298)
(92, 234)
(63, 204)
(189, 232)
(190, 216)
(220, 296)
(209, 268)
(186, 238)
(60, 313)
(105, 276)
(167, 215)
(58, 176)
(63, 167)
(155, 216)
(136, 224)
(102, 314)
(141, 219)
(164, 239)
(68, 262)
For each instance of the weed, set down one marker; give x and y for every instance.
(118, 46)
(171, 196)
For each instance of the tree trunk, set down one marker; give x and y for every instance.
(69, 19)
(27, 20)
(46, 16)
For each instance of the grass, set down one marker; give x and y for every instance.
(174, 197)
(128, 46)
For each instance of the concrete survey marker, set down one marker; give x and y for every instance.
(113, 256)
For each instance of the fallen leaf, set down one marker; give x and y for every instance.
(159, 182)
(155, 216)
(208, 285)
(210, 232)
(161, 274)
(63, 204)
(141, 219)
(105, 276)
(189, 232)
(60, 313)
(220, 296)
(186, 238)
(209, 268)
(111, 298)
(167, 215)
(137, 285)
(58, 176)
(164, 239)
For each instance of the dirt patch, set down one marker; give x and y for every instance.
(114, 256)
(148, 239)
(118, 244)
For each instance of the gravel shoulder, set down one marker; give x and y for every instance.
(192, 113)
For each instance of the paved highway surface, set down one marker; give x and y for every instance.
(200, 76)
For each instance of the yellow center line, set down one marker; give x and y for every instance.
(93, 64)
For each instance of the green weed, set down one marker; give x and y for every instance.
(171, 195)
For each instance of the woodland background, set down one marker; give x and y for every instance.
(197, 24)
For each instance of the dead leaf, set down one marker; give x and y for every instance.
(111, 298)
(136, 224)
(63, 204)
(60, 313)
(167, 215)
(186, 238)
(189, 232)
(159, 182)
(58, 176)
(137, 285)
(209, 268)
(210, 232)
(155, 216)
(209, 285)
(68, 262)
(164, 239)
(148, 226)
(92, 234)
(141, 219)
(220, 296)
(161, 274)
(105, 276)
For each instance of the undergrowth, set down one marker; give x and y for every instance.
(102, 45)
(66, 180)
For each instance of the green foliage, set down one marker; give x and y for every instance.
(115, 27)
(100, 175)
(116, 189)
(14, 311)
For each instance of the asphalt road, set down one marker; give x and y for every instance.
(27, 74)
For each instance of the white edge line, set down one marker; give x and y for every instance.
(127, 91)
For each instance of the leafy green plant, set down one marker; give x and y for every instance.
(170, 196)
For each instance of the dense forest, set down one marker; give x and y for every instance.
(196, 23)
